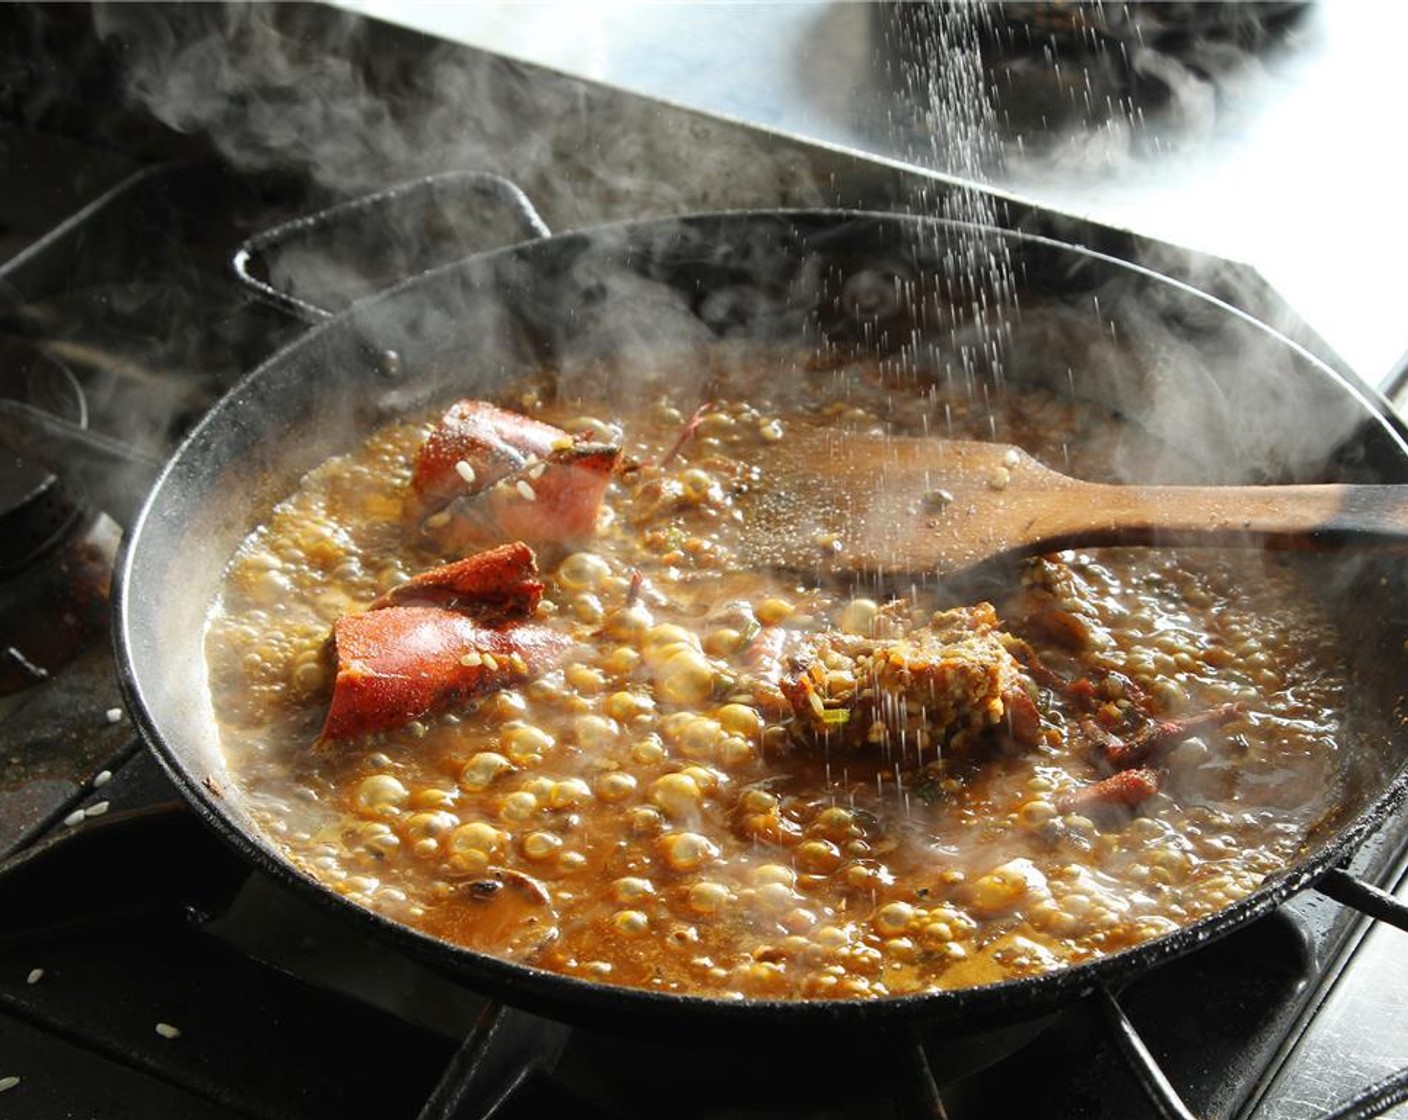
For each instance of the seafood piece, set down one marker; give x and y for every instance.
(511, 913)
(445, 635)
(1127, 788)
(396, 664)
(763, 660)
(498, 583)
(687, 432)
(491, 441)
(1157, 735)
(945, 683)
(560, 502)
(1051, 607)
(1134, 780)
(488, 473)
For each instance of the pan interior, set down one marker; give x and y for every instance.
(1191, 372)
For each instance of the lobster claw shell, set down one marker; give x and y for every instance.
(397, 664)
(445, 636)
(500, 582)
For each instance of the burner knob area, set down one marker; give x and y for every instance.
(55, 554)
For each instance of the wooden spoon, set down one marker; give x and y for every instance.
(889, 504)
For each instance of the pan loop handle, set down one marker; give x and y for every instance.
(319, 264)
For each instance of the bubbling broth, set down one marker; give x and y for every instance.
(661, 771)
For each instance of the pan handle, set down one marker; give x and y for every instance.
(319, 264)
(1348, 890)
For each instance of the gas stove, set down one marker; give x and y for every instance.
(145, 969)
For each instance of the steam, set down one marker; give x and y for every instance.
(335, 99)
(354, 105)
(271, 96)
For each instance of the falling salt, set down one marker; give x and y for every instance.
(957, 132)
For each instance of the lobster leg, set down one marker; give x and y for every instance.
(1127, 788)
(1158, 735)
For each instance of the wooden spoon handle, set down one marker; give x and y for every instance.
(1315, 516)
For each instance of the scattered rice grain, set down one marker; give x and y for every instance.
(465, 471)
(114, 715)
(102, 778)
(35, 975)
(166, 1030)
(97, 809)
(75, 817)
(8, 1082)
(525, 491)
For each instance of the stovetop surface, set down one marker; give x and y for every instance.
(145, 970)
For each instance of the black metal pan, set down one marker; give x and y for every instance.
(629, 290)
